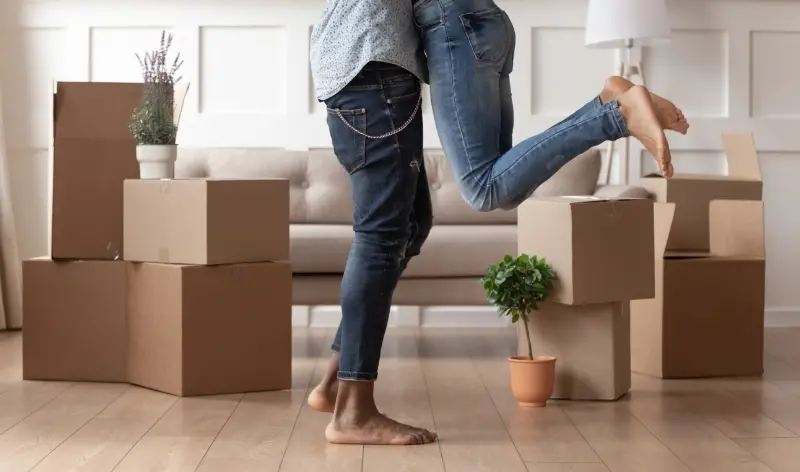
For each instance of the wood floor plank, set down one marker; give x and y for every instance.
(472, 435)
(402, 394)
(308, 450)
(543, 435)
(702, 447)
(180, 439)
(256, 436)
(623, 443)
(779, 454)
(105, 440)
(26, 444)
(565, 467)
(25, 398)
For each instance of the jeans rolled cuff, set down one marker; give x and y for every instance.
(356, 376)
(619, 120)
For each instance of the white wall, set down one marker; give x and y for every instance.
(732, 66)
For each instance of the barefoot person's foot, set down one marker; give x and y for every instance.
(357, 420)
(323, 397)
(669, 116)
(640, 116)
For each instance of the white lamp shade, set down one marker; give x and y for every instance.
(619, 23)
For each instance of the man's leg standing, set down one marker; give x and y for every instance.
(385, 170)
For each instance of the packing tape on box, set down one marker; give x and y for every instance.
(165, 187)
(163, 254)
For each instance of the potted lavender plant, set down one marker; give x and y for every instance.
(154, 124)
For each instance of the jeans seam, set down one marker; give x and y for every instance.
(455, 104)
(523, 156)
(619, 120)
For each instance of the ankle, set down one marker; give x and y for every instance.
(355, 403)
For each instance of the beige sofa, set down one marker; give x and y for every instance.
(462, 243)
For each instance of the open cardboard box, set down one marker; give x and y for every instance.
(707, 318)
(91, 153)
(601, 249)
(691, 193)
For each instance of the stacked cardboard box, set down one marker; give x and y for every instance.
(206, 307)
(197, 328)
(602, 252)
(707, 318)
(74, 300)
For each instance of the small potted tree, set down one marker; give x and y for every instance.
(154, 124)
(516, 286)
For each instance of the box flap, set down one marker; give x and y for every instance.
(686, 255)
(736, 228)
(740, 150)
(663, 214)
(181, 90)
(94, 110)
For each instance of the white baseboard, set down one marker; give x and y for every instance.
(474, 317)
(429, 317)
(782, 317)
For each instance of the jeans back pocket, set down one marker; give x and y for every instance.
(487, 33)
(348, 129)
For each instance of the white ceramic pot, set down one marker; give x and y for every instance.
(157, 161)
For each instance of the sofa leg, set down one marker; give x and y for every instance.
(409, 316)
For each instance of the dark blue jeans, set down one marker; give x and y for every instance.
(392, 215)
(470, 48)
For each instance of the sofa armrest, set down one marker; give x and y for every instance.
(621, 191)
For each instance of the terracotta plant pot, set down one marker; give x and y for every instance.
(532, 380)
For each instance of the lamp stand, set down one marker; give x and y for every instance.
(628, 70)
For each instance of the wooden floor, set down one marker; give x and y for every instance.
(454, 381)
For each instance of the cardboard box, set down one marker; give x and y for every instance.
(692, 193)
(75, 321)
(707, 319)
(206, 221)
(92, 154)
(601, 249)
(592, 345)
(203, 330)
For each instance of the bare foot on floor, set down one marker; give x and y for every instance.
(323, 398)
(669, 116)
(640, 116)
(377, 429)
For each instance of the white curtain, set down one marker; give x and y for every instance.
(12, 80)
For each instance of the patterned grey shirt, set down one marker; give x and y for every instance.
(352, 33)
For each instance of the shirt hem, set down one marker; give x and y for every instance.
(356, 70)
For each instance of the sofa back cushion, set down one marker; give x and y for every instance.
(320, 188)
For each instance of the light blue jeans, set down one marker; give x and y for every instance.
(470, 49)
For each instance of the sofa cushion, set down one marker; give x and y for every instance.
(320, 188)
(450, 251)
(578, 177)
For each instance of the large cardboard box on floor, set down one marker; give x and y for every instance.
(92, 154)
(592, 345)
(203, 330)
(75, 320)
(691, 193)
(707, 319)
(197, 221)
(601, 249)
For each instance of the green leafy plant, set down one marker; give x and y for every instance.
(153, 120)
(516, 286)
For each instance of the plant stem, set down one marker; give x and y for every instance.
(528, 336)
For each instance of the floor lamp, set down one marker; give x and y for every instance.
(624, 25)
